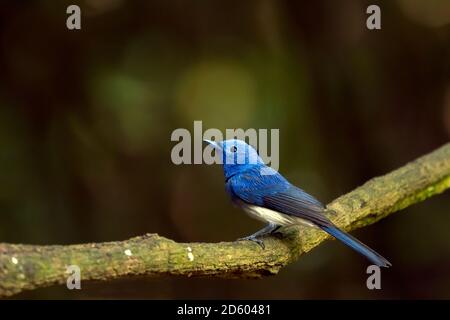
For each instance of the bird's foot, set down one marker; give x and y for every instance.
(268, 229)
(254, 239)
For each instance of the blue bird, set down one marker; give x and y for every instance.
(267, 196)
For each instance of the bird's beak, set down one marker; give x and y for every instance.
(214, 144)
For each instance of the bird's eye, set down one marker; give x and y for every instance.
(233, 149)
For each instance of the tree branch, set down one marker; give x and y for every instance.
(24, 267)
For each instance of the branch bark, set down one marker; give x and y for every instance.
(25, 267)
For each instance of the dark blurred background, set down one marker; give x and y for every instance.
(86, 118)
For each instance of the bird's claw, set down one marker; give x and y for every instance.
(254, 239)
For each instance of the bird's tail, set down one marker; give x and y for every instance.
(357, 245)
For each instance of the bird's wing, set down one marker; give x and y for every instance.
(251, 186)
(296, 202)
(276, 193)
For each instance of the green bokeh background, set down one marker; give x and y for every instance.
(86, 118)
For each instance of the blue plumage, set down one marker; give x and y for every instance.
(268, 196)
(357, 245)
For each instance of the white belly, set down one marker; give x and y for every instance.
(275, 217)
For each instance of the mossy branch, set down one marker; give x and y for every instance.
(25, 267)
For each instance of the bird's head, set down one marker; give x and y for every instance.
(236, 155)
